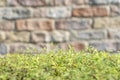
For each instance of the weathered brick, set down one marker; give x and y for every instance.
(16, 13)
(115, 10)
(39, 12)
(114, 34)
(74, 24)
(3, 48)
(25, 48)
(80, 2)
(58, 12)
(60, 36)
(3, 2)
(33, 3)
(18, 36)
(96, 2)
(90, 11)
(62, 2)
(118, 46)
(2, 36)
(89, 35)
(77, 46)
(35, 24)
(106, 45)
(7, 25)
(53, 12)
(101, 22)
(40, 36)
(111, 22)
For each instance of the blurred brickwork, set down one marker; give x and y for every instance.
(57, 23)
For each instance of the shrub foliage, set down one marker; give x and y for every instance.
(61, 65)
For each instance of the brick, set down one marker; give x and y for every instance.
(82, 12)
(112, 22)
(77, 46)
(3, 48)
(2, 36)
(7, 25)
(62, 2)
(115, 10)
(106, 45)
(35, 24)
(114, 34)
(40, 36)
(60, 36)
(25, 48)
(3, 2)
(80, 2)
(18, 36)
(16, 13)
(101, 23)
(90, 11)
(114, 1)
(39, 12)
(53, 12)
(32, 3)
(118, 46)
(88, 35)
(58, 12)
(96, 2)
(74, 24)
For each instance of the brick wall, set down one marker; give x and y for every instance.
(58, 23)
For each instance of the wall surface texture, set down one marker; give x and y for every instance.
(57, 23)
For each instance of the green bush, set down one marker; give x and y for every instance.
(61, 65)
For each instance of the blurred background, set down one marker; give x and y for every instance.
(55, 24)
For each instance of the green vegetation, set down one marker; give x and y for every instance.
(61, 65)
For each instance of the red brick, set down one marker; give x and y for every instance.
(90, 11)
(77, 46)
(100, 11)
(30, 25)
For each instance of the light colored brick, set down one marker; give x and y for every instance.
(111, 22)
(53, 12)
(60, 36)
(25, 48)
(7, 25)
(18, 36)
(58, 12)
(89, 35)
(33, 3)
(73, 24)
(35, 24)
(114, 33)
(15, 13)
(40, 36)
(80, 2)
(96, 2)
(106, 45)
(2, 36)
(3, 2)
(3, 48)
(115, 10)
(62, 2)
